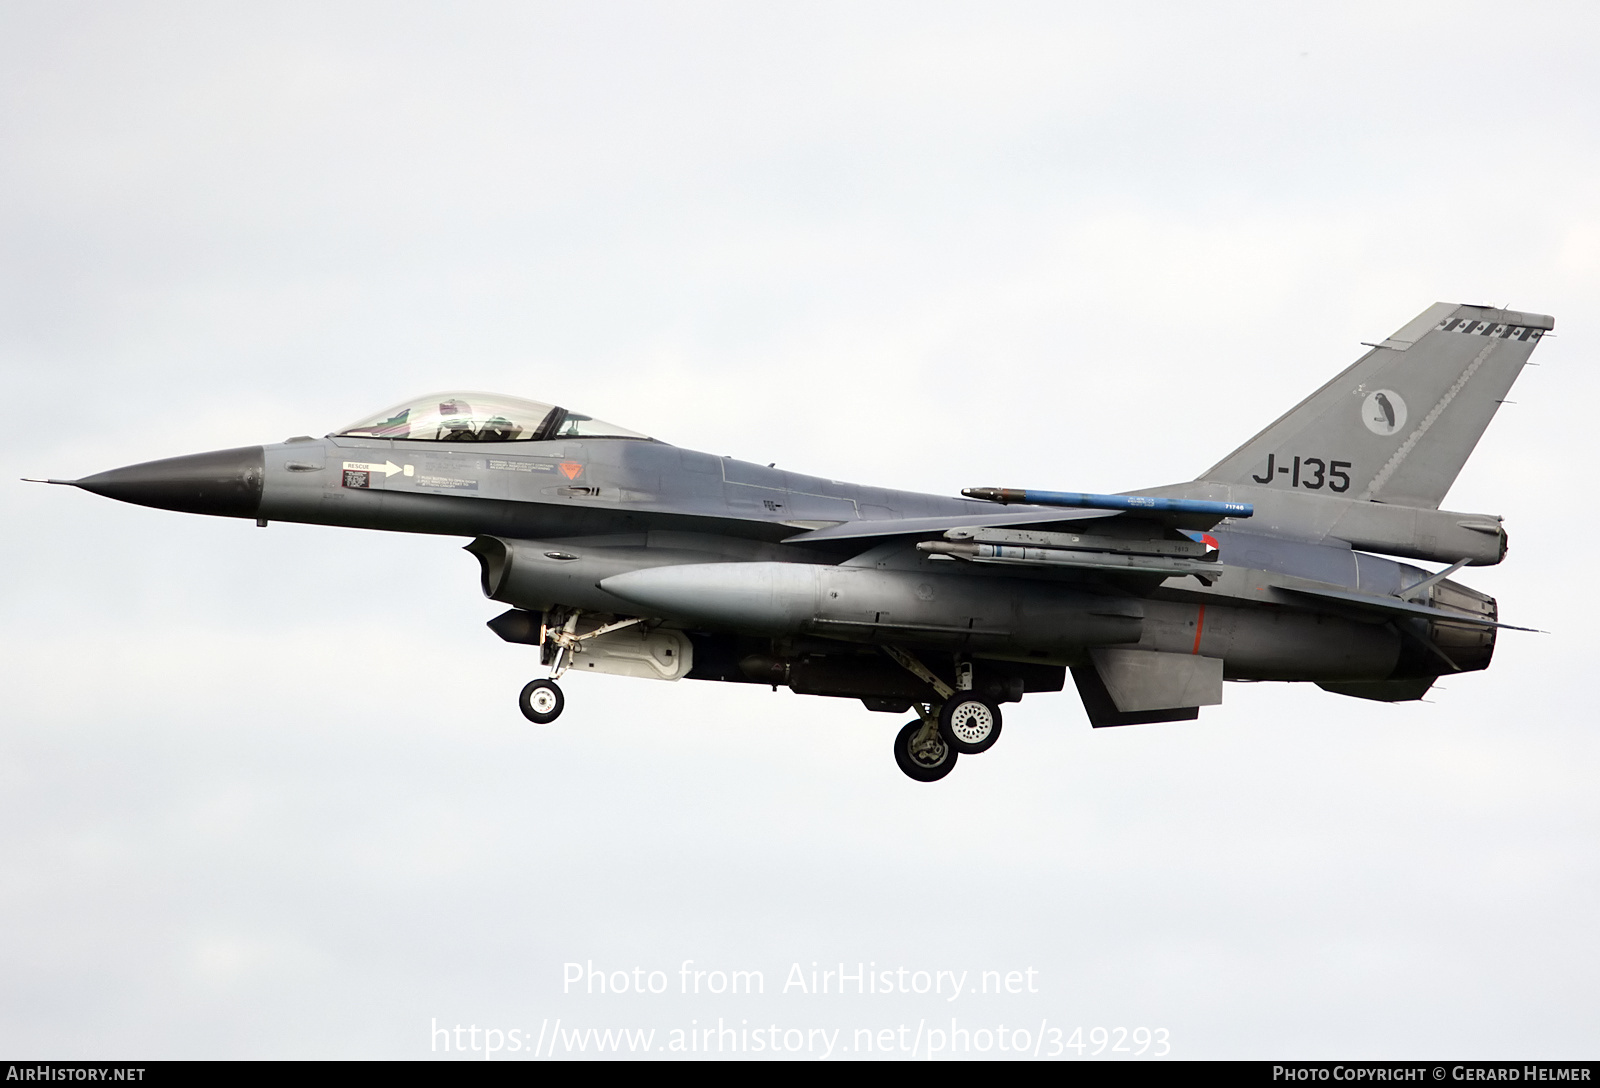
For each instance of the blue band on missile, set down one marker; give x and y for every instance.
(1140, 502)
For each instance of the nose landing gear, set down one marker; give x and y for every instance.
(541, 700)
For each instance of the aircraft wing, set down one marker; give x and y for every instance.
(1043, 507)
(993, 518)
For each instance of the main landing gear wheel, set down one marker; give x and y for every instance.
(927, 761)
(541, 702)
(969, 725)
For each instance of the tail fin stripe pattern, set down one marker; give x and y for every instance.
(1489, 328)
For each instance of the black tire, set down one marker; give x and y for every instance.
(969, 725)
(542, 702)
(918, 768)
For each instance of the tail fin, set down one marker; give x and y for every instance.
(1397, 426)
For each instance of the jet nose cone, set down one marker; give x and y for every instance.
(223, 482)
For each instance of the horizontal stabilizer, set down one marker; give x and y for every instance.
(1382, 691)
(1396, 606)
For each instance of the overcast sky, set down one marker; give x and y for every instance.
(266, 793)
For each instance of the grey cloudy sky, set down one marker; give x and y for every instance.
(266, 793)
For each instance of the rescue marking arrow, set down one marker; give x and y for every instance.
(388, 468)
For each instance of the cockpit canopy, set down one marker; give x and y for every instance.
(481, 417)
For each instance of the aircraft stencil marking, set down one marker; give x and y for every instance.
(388, 468)
(521, 466)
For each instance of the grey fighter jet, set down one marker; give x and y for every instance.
(618, 553)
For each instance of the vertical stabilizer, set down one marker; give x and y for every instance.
(1397, 426)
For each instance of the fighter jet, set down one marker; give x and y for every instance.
(620, 553)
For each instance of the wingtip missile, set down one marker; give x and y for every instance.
(994, 494)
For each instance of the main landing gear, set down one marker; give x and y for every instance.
(921, 751)
(969, 724)
(963, 724)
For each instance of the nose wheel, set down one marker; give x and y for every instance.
(541, 702)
